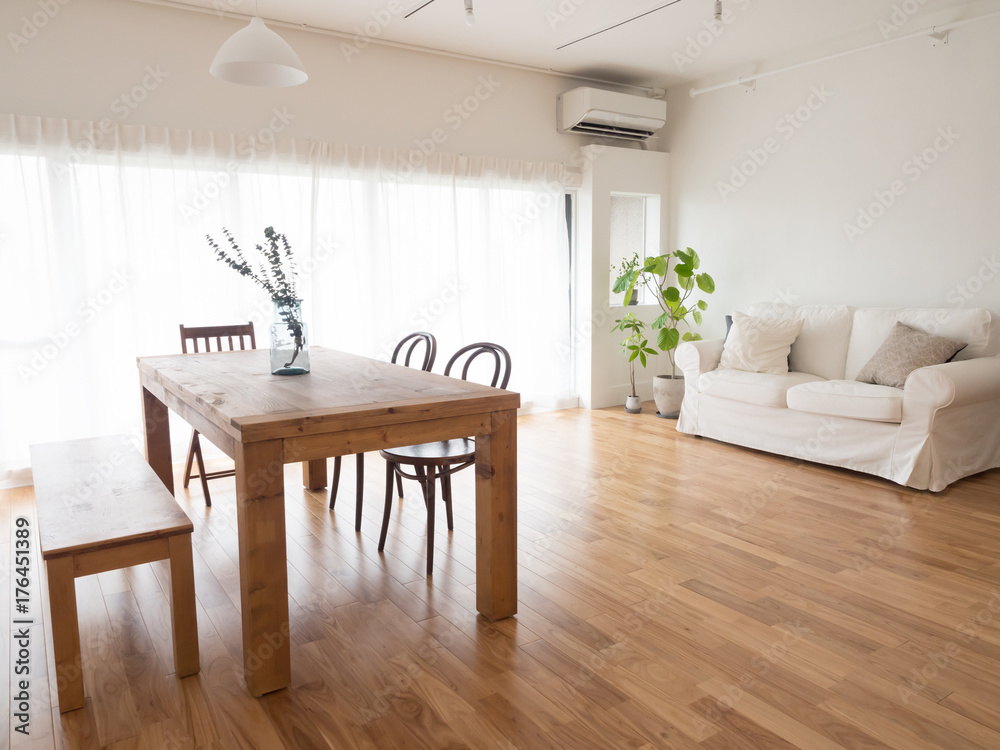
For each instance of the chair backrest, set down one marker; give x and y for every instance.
(415, 339)
(501, 372)
(242, 332)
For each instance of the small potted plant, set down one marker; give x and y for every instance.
(656, 274)
(635, 346)
(627, 266)
(275, 273)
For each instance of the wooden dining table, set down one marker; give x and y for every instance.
(347, 404)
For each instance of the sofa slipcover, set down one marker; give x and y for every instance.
(944, 424)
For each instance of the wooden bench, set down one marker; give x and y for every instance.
(101, 507)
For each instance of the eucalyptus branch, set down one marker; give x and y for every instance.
(269, 274)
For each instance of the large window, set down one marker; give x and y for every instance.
(103, 254)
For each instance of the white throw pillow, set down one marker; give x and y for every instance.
(759, 345)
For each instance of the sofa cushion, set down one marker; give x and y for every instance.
(758, 345)
(761, 388)
(905, 350)
(872, 325)
(848, 398)
(821, 346)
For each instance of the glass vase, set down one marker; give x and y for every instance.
(289, 339)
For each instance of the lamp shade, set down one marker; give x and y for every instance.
(256, 56)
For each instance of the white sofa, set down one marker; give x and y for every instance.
(942, 426)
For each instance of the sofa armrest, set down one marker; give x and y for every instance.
(951, 416)
(953, 384)
(696, 358)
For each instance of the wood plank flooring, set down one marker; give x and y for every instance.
(674, 593)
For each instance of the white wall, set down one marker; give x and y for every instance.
(91, 53)
(782, 234)
(602, 372)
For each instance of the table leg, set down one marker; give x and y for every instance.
(156, 426)
(314, 474)
(496, 518)
(65, 633)
(260, 512)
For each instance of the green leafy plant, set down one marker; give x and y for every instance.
(635, 346)
(274, 271)
(657, 275)
(627, 266)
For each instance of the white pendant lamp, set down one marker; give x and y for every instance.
(256, 56)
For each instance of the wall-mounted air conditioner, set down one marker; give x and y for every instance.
(591, 111)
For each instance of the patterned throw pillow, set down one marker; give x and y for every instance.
(759, 345)
(904, 350)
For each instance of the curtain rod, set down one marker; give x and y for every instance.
(931, 30)
(650, 90)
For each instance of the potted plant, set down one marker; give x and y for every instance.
(656, 274)
(635, 346)
(626, 267)
(275, 272)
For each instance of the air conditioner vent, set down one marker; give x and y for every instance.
(613, 132)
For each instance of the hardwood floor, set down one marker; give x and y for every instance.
(674, 593)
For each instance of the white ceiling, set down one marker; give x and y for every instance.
(528, 32)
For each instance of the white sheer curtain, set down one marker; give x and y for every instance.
(103, 254)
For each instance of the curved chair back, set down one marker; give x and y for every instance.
(415, 339)
(501, 372)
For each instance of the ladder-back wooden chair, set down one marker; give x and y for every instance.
(441, 459)
(415, 340)
(225, 338)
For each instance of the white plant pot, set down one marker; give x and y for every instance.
(633, 404)
(668, 392)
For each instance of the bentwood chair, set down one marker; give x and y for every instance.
(243, 334)
(431, 461)
(430, 353)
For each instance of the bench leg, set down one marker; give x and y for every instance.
(182, 606)
(65, 633)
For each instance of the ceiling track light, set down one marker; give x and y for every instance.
(717, 19)
(470, 16)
